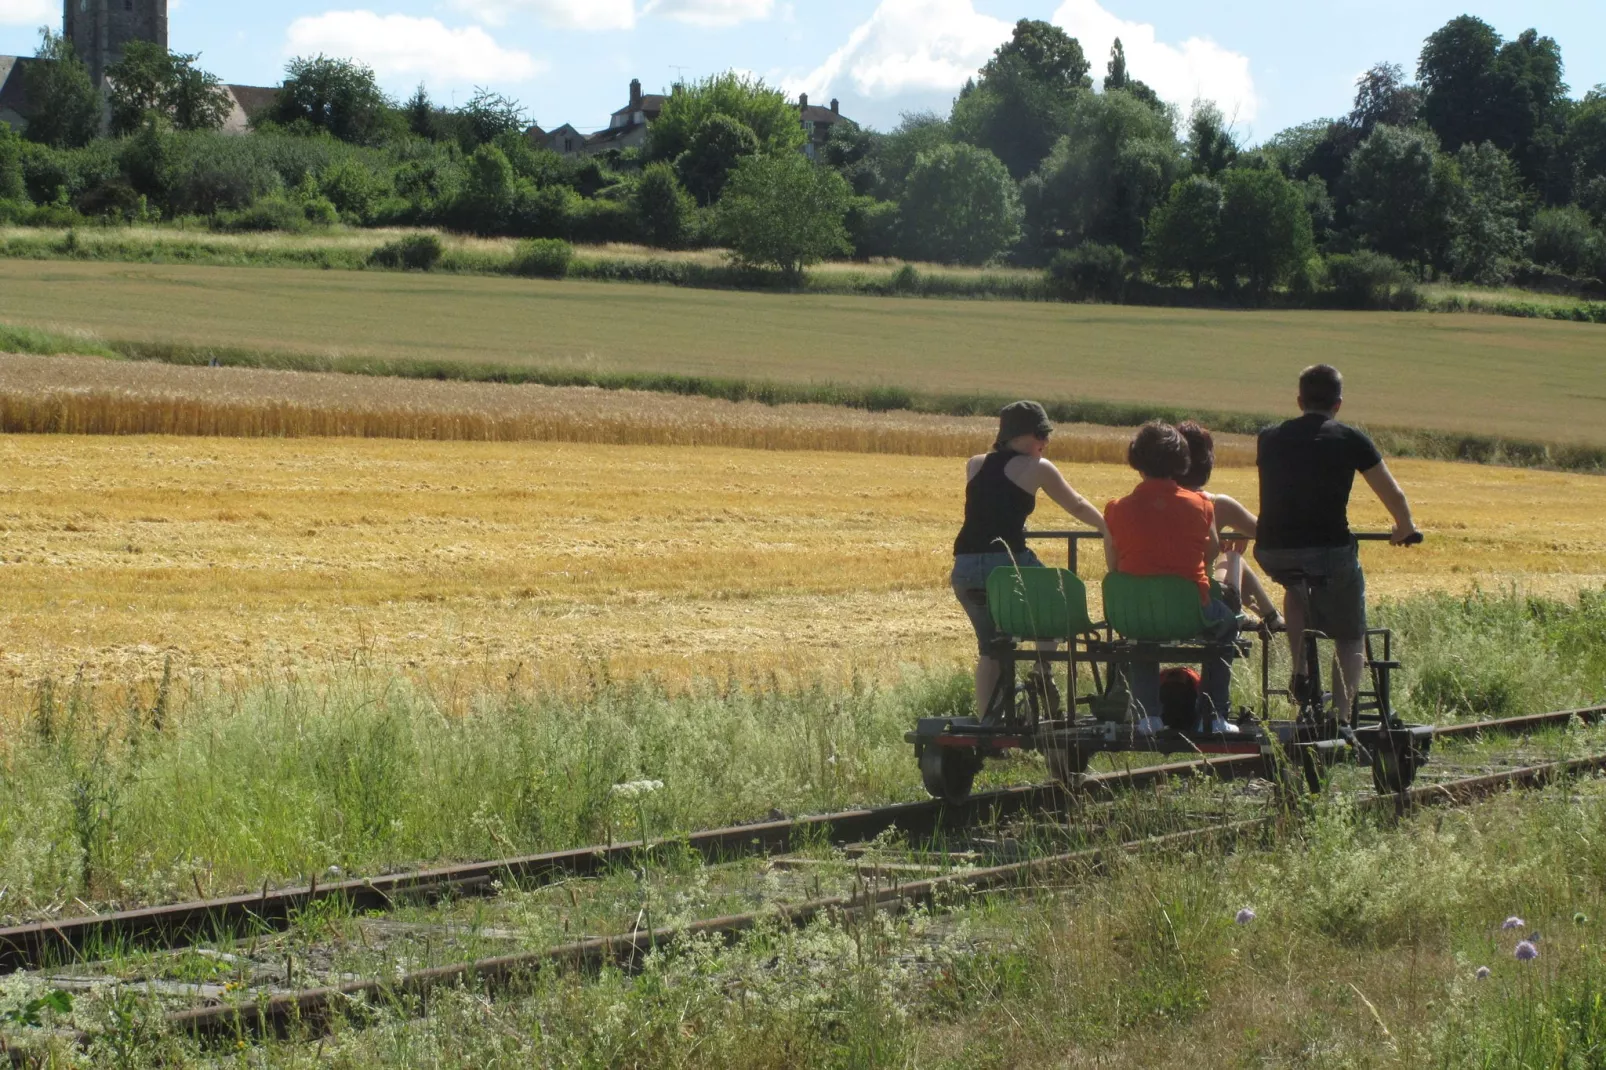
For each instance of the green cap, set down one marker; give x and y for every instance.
(1022, 418)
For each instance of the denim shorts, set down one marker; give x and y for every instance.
(1338, 599)
(970, 587)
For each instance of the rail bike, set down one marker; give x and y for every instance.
(1155, 621)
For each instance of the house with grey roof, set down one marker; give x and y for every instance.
(627, 127)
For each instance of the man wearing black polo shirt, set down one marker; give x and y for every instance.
(1307, 469)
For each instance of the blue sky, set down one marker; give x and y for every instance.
(1269, 64)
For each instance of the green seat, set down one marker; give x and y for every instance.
(1038, 603)
(1153, 609)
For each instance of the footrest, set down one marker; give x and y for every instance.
(1383, 664)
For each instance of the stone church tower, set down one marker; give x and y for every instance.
(99, 29)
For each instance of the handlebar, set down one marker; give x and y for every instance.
(1072, 538)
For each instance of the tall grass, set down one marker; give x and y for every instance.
(227, 787)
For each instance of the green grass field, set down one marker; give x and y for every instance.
(1470, 374)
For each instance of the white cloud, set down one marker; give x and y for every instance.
(909, 46)
(711, 12)
(402, 45)
(1198, 68)
(557, 14)
(30, 13)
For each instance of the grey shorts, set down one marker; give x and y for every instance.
(1337, 597)
(969, 581)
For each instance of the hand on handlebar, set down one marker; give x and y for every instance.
(1405, 535)
(1234, 544)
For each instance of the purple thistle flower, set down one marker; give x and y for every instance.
(1245, 916)
(1526, 952)
(1513, 923)
(1482, 974)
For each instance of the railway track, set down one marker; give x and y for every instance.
(28, 947)
(183, 925)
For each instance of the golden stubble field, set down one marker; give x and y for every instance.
(469, 562)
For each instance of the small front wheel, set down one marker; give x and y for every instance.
(1393, 768)
(1067, 765)
(948, 772)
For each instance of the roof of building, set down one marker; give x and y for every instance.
(651, 103)
(813, 113)
(253, 98)
(13, 93)
(613, 133)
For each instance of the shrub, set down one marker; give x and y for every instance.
(1566, 239)
(415, 252)
(270, 213)
(663, 208)
(960, 206)
(320, 212)
(542, 258)
(1090, 272)
(1367, 280)
(873, 227)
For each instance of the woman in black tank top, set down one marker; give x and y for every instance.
(1000, 493)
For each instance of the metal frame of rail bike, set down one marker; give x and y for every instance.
(1296, 752)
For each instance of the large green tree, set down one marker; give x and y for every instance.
(1105, 177)
(716, 148)
(1585, 144)
(1382, 96)
(1265, 234)
(663, 208)
(1403, 195)
(1023, 101)
(64, 107)
(1211, 148)
(1480, 88)
(960, 206)
(341, 96)
(150, 80)
(1488, 209)
(782, 211)
(1117, 76)
(761, 108)
(1183, 232)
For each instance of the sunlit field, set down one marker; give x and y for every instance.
(1478, 375)
(551, 560)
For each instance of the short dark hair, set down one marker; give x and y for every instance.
(1201, 454)
(1321, 388)
(1159, 451)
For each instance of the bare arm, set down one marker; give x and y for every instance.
(1388, 491)
(1232, 516)
(1063, 495)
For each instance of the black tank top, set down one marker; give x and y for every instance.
(996, 509)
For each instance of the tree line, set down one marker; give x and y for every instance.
(1481, 169)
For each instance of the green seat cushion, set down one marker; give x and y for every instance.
(1153, 609)
(1038, 603)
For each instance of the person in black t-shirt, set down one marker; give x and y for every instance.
(1307, 470)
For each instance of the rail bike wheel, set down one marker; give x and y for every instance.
(1067, 765)
(1394, 767)
(948, 772)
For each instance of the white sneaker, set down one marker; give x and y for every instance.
(1150, 726)
(1218, 726)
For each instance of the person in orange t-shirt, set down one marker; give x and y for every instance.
(1160, 529)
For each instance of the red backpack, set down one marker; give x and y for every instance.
(1179, 698)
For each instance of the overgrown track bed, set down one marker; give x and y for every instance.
(35, 946)
(30, 947)
(309, 1011)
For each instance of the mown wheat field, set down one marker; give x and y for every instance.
(472, 562)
